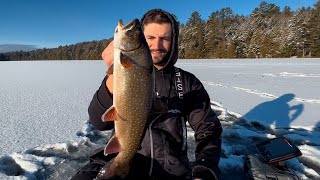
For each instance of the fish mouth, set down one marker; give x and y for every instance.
(132, 24)
(131, 29)
(120, 23)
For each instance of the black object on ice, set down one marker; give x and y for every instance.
(277, 150)
(270, 162)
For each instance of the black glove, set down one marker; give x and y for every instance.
(203, 173)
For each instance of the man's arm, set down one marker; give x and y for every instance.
(100, 102)
(102, 99)
(206, 125)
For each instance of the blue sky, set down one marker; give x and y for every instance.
(50, 23)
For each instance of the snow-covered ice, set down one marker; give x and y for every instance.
(45, 132)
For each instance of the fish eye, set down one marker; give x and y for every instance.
(129, 32)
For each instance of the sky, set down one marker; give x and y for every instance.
(46, 23)
(45, 132)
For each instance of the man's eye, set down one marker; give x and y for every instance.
(166, 39)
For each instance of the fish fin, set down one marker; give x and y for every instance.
(110, 115)
(110, 70)
(126, 62)
(113, 146)
(114, 170)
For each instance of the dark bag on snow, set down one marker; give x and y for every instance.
(270, 164)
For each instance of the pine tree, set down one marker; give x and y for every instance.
(194, 37)
(212, 37)
(287, 11)
(314, 30)
(265, 10)
(216, 32)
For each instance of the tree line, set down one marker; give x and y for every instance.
(268, 32)
(81, 51)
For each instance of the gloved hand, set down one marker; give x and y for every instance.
(203, 173)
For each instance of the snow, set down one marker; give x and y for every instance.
(46, 134)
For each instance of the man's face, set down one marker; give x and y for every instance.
(158, 37)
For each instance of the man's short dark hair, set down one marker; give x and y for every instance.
(155, 16)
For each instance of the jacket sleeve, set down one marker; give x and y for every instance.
(205, 124)
(100, 102)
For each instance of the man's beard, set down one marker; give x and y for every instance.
(161, 60)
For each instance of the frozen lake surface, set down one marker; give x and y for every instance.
(45, 133)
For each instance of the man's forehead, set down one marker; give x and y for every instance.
(161, 23)
(163, 29)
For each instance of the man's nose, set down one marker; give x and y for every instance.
(158, 44)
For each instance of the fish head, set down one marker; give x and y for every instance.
(128, 37)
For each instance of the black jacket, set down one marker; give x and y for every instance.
(165, 140)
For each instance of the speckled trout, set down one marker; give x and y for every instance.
(133, 89)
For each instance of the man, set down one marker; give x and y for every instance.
(163, 153)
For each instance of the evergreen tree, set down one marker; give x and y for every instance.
(314, 30)
(4, 57)
(181, 41)
(194, 37)
(287, 11)
(216, 32)
(265, 10)
(212, 35)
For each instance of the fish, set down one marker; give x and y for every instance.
(133, 94)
